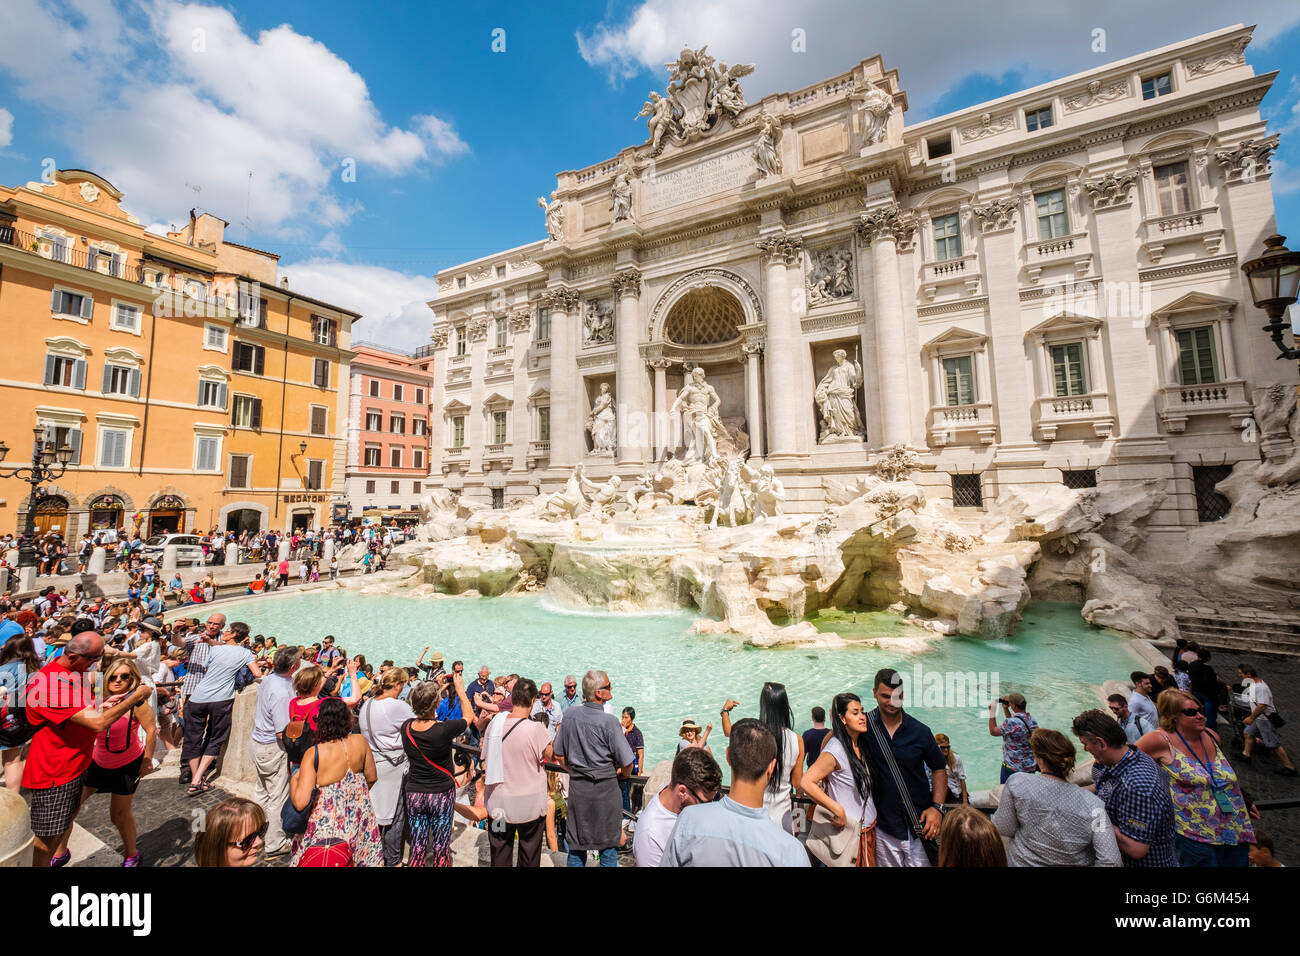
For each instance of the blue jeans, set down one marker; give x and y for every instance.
(1007, 772)
(1194, 853)
(1211, 712)
(608, 857)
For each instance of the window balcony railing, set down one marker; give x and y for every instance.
(1203, 225)
(1074, 249)
(962, 424)
(959, 270)
(1178, 403)
(1066, 410)
(456, 451)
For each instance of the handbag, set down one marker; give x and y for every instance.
(832, 845)
(292, 820)
(931, 847)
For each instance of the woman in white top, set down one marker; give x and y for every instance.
(381, 724)
(956, 771)
(774, 714)
(842, 764)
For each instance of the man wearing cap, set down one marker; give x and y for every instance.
(1014, 731)
(60, 703)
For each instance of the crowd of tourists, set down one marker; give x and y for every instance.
(126, 551)
(368, 765)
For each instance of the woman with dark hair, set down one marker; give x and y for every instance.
(18, 662)
(336, 774)
(843, 764)
(774, 714)
(430, 786)
(233, 834)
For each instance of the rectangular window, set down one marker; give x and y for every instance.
(248, 358)
(214, 338)
(1196, 364)
(543, 325)
(967, 491)
(372, 456)
(1156, 86)
(239, 471)
(1173, 188)
(498, 428)
(315, 474)
(418, 460)
(370, 487)
(397, 424)
(544, 423)
(374, 421)
(63, 371)
(395, 487)
(75, 305)
(1083, 478)
(459, 332)
(947, 237)
(1038, 119)
(321, 373)
(323, 331)
(959, 382)
(398, 391)
(1067, 370)
(246, 412)
(126, 317)
(458, 432)
(58, 247)
(120, 380)
(318, 419)
(460, 282)
(939, 146)
(419, 396)
(1210, 505)
(1053, 223)
(252, 311)
(501, 272)
(498, 497)
(212, 394)
(374, 388)
(419, 426)
(62, 435)
(395, 456)
(112, 447)
(501, 331)
(207, 453)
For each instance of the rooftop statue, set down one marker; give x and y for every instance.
(697, 96)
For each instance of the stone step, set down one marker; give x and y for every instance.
(1260, 635)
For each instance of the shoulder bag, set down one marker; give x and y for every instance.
(293, 820)
(931, 847)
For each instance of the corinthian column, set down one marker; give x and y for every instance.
(884, 229)
(632, 406)
(565, 422)
(753, 397)
(782, 340)
(662, 428)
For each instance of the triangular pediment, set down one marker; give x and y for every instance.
(1196, 302)
(539, 394)
(1066, 322)
(455, 407)
(956, 338)
(497, 400)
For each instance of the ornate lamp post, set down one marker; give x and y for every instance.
(41, 471)
(1274, 278)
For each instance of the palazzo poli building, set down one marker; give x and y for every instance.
(1039, 289)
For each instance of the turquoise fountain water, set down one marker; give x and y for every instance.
(655, 665)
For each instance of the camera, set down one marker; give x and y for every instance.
(1003, 700)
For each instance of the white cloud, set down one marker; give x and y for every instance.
(6, 128)
(393, 304)
(1042, 40)
(185, 96)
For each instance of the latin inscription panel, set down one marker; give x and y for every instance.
(728, 171)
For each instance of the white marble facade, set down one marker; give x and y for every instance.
(1046, 283)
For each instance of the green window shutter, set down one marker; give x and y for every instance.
(958, 380)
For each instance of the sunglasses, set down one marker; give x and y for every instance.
(714, 799)
(546, 693)
(1192, 711)
(247, 842)
(944, 747)
(606, 687)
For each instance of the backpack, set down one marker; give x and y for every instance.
(298, 738)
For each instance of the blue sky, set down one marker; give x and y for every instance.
(452, 141)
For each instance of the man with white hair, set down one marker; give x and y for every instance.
(593, 750)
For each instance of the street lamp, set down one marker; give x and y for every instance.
(1273, 279)
(41, 471)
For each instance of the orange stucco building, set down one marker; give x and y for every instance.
(146, 355)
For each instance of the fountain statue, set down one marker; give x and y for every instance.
(601, 423)
(769, 492)
(836, 397)
(698, 402)
(572, 501)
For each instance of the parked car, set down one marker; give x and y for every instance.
(189, 548)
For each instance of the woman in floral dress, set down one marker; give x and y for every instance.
(342, 829)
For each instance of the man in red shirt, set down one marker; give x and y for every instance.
(60, 701)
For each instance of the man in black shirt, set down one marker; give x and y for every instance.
(815, 736)
(913, 747)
